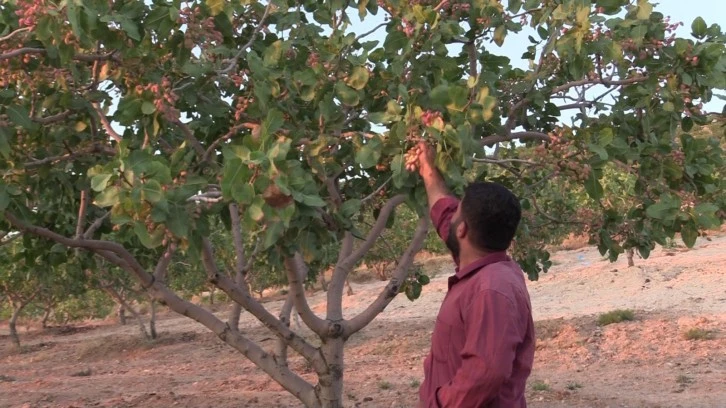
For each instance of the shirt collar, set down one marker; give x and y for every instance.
(475, 266)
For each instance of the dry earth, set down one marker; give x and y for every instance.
(647, 362)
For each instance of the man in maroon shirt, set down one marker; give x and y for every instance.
(482, 347)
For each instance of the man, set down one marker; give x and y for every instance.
(482, 347)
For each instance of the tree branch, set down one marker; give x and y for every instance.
(498, 161)
(374, 233)
(391, 290)
(223, 282)
(598, 81)
(378, 190)
(93, 245)
(189, 136)
(96, 225)
(106, 124)
(494, 139)
(296, 273)
(13, 33)
(232, 131)
(96, 148)
(260, 26)
(78, 57)
(163, 265)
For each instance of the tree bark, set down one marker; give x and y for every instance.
(281, 347)
(17, 308)
(46, 315)
(631, 254)
(122, 303)
(330, 385)
(152, 320)
(121, 313)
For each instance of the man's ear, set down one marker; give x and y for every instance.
(462, 229)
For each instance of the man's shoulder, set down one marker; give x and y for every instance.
(505, 277)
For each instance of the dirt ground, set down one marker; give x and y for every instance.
(647, 362)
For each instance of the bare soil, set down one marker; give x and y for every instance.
(647, 362)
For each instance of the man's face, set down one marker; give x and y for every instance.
(452, 241)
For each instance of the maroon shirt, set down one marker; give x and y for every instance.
(482, 347)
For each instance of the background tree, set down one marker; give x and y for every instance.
(131, 130)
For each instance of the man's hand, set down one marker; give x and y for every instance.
(421, 158)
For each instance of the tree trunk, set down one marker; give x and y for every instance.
(330, 386)
(17, 308)
(46, 316)
(114, 295)
(350, 288)
(631, 254)
(152, 320)
(211, 295)
(121, 313)
(323, 283)
(236, 312)
(281, 347)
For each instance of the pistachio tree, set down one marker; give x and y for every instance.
(130, 128)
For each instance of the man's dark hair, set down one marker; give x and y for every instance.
(492, 214)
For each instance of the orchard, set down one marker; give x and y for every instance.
(245, 136)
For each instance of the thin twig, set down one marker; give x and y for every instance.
(106, 124)
(378, 190)
(260, 26)
(12, 34)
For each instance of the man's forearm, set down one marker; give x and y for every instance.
(435, 186)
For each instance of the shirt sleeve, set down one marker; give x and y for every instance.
(492, 336)
(441, 214)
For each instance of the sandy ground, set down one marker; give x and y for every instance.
(647, 362)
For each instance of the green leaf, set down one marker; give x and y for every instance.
(424, 279)
(235, 173)
(4, 198)
(369, 154)
(151, 191)
(243, 193)
(99, 182)
(347, 95)
(358, 78)
(499, 34)
(4, 142)
(687, 124)
(605, 137)
(272, 54)
(178, 223)
(593, 187)
(147, 108)
(644, 10)
(310, 200)
(271, 124)
(413, 290)
(150, 241)
(689, 234)
(350, 208)
(599, 150)
(663, 210)
(108, 197)
(706, 215)
(19, 115)
(273, 234)
(699, 27)
(255, 212)
(215, 6)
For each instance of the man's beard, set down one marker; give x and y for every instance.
(452, 241)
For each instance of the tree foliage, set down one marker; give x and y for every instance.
(133, 129)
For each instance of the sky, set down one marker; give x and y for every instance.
(713, 11)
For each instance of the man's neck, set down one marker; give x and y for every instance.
(465, 259)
